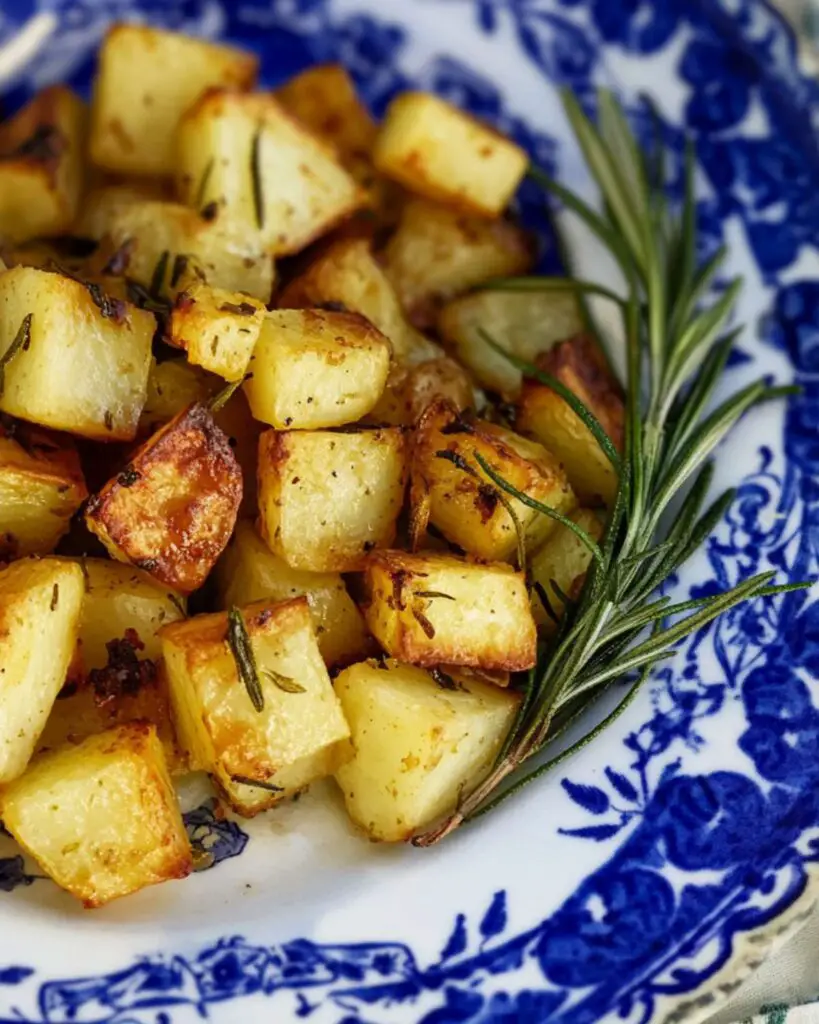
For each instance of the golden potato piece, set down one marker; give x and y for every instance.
(103, 201)
(526, 324)
(327, 499)
(461, 500)
(440, 152)
(172, 509)
(40, 602)
(315, 368)
(295, 733)
(439, 609)
(84, 365)
(263, 169)
(218, 329)
(564, 559)
(147, 79)
(420, 744)
(41, 165)
(101, 817)
(41, 487)
(346, 277)
(410, 389)
(580, 365)
(438, 251)
(248, 571)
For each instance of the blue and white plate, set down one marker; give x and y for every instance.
(645, 877)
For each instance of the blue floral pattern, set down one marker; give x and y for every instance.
(688, 859)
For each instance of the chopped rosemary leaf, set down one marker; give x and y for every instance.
(244, 780)
(20, 343)
(175, 601)
(202, 188)
(159, 274)
(284, 683)
(180, 265)
(433, 593)
(256, 177)
(239, 643)
(55, 597)
(221, 398)
(423, 621)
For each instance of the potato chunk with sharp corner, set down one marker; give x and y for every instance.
(41, 487)
(563, 560)
(580, 365)
(282, 185)
(147, 79)
(313, 369)
(40, 604)
(438, 251)
(440, 152)
(41, 165)
(258, 757)
(526, 324)
(459, 496)
(101, 818)
(439, 609)
(346, 276)
(420, 744)
(327, 499)
(218, 329)
(172, 509)
(84, 366)
(248, 571)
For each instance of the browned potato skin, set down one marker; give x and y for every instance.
(579, 364)
(173, 508)
(410, 389)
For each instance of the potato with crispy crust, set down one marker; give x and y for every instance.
(40, 603)
(83, 366)
(410, 389)
(315, 368)
(172, 509)
(439, 609)
(218, 329)
(421, 743)
(438, 251)
(146, 81)
(41, 165)
(327, 499)
(101, 818)
(580, 365)
(259, 754)
(452, 491)
(41, 487)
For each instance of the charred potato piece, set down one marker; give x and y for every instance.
(327, 499)
(316, 368)
(84, 359)
(580, 365)
(41, 165)
(450, 488)
(563, 560)
(410, 389)
(420, 744)
(171, 511)
(218, 329)
(101, 818)
(258, 753)
(439, 609)
(147, 79)
(41, 487)
(40, 604)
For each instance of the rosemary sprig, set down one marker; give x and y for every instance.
(677, 345)
(256, 177)
(239, 643)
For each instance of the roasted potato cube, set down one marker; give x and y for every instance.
(272, 177)
(410, 389)
(299, 734)
(171, 511)
(41, 165)
(40, 603)
(526, 324)
(101, 818)
(453, 492)
(84, 366)
(169, 244)
(41, 487)
(438, 251)
(248, 571)
(580, 365)
(420, 745)
(347, 277)
(147, 79)
(218, 329)
(439, 609)
(103, 202)
(564, 560)
(440, 152)
(327, 499)
(316, 368)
